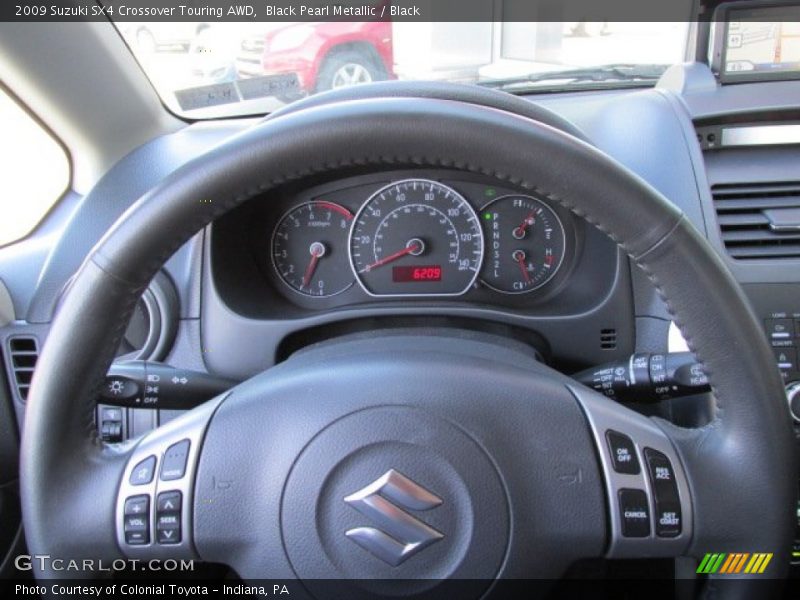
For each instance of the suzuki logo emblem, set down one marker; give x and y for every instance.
(400, 535)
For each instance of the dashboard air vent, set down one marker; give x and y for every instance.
(24, 353)
(608, 339)
(759, 220)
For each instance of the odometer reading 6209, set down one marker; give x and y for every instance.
(416, 237)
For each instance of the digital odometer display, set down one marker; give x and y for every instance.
(418, 231)
(413, 273)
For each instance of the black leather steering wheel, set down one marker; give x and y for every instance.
(475, 459)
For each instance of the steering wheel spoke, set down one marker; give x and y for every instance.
(154, 510)
(649, 501)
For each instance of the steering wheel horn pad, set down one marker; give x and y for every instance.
(440, 432)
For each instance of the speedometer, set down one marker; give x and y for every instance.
(416, 238)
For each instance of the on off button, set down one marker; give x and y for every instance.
(623, 453)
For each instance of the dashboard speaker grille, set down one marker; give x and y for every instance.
(759, 220)
(608, 339)
(24, 352)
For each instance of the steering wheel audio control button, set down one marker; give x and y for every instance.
(168, 528)
(143, 472)
(168, 517)
(137, 520)
(634, 511)
(137, 505)
(174, 464)
(137, 529)
(170, 456)
(169, 502)
(623, 453)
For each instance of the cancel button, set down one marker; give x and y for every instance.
(634, 513)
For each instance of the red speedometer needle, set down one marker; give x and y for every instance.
(317, 251)
(519, 256)
(413, 247)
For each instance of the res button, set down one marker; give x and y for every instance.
(667, 502)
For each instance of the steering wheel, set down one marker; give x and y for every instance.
(416, 457)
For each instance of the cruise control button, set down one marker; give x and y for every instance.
(174, 464)
(668, 519)
(623, 453)
(634, 513)
(662, 476)
(142, 473)
(137, 505)
(665, 489)
(169, 502)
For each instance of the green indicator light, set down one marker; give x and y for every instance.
(490, 192)
(487, 216)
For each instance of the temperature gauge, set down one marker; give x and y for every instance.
(525, 244)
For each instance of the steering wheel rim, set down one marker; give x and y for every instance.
(751, 431)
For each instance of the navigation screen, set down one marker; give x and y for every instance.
(759, 48)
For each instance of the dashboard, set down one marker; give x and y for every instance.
(423, 247)
(411, 247)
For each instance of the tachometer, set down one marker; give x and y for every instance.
(309, 249)
(416, 237)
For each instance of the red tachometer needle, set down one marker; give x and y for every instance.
(316, 250)
(519, 256)
(410, 249)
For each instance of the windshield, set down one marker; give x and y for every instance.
(205, 70)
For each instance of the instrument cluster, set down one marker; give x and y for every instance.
(411, 236)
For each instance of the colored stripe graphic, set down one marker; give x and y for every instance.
(710, 563)
(726, 566)
(736, 562)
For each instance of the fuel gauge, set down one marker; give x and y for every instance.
(525, 244)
